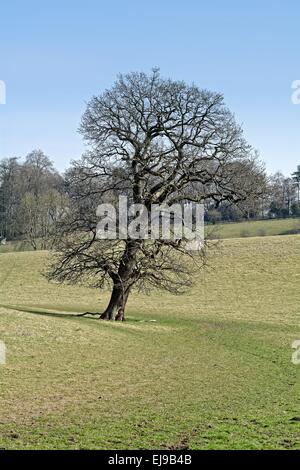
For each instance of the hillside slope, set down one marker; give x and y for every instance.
(210, 369)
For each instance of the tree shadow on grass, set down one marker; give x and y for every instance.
(52, 313)
(64, 314)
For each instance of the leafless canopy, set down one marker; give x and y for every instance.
(156, 141)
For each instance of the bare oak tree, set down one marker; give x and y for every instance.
(156, 141)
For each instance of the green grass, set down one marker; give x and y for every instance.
(256, 228)
(213, 371)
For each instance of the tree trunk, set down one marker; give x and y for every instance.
(117, 304)
(123, 283)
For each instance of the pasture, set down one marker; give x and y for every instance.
(254, 228)
(207, 370)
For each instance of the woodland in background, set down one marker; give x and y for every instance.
(33, 194)
(32, 197)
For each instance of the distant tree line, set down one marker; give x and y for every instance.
(280, 198)
(33, 195)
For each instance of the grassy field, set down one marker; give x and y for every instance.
(208, 370)
(256, 228)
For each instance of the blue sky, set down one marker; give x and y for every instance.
(55, 55)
